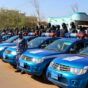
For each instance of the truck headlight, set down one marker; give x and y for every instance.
(13, 53)
(2, 48)
(78, 71)
(37, 60)
(51, 64)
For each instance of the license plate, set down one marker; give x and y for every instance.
(22, 64)
(54, 76)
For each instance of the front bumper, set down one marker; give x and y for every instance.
(9, 58)
(31, 68)
(1, 53)
(66, 80)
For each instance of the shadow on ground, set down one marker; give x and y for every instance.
(41, 80)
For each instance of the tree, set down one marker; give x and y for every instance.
(13, 18)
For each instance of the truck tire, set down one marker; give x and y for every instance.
(87, 85)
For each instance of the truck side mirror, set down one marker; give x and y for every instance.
(43, 45)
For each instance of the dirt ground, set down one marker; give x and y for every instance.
(10, 79)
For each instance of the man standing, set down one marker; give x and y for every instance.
(21, 47)
(64, 30)
(73, 28)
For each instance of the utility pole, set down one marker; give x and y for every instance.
(37, 10)
(75, 8)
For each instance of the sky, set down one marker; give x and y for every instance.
(48, 8)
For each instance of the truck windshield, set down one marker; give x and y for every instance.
(59, 46)
(11, 39)
(36, 42)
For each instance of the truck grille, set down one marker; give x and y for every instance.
(61, 67)
(64, 68)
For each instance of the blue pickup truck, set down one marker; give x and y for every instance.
(36, 61)
(5, 37)
(9, 43)
(38, 42)
(70, 71)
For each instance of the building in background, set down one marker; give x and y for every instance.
(80, 19)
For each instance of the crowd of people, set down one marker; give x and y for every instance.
(38, 30)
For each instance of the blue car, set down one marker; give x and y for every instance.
(5, 37)
(9, 43)
(40, 42)
(69, 71)
(36, 61)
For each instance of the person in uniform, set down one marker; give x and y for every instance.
(21, 48)
(73, 28)
(64, 30)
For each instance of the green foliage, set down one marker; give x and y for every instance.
(13, 18)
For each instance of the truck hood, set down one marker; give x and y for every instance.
(7, 44)
(78, 61)
(40, 53)
(13, 48)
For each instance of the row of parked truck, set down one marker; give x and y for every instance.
(62, 61)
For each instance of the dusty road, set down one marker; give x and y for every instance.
(10, 79)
